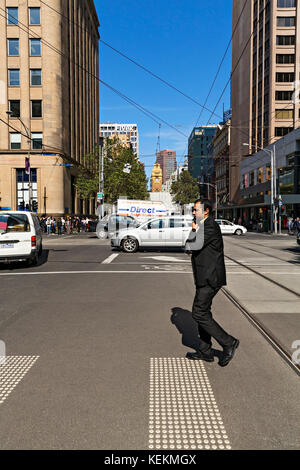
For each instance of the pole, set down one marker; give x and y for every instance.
(272, 193)
(275, 188)
(30, 187)
(216, 201)
(102, 182)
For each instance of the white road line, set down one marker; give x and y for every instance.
(94, 272)
(12, 371)
(183, 413)
(110, 258)
(158, 271)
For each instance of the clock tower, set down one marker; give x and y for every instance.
(157, 177)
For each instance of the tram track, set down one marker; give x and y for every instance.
(267, 254)
(252, 318)
(278, 284)
(265, 332)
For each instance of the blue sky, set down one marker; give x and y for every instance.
(183, 42)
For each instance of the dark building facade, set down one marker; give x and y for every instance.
(200, 156)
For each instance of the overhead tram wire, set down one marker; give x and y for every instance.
(28, 31)
(148, 113)
(217, 73)
(149, 71)
(222, 60)
(136, 63)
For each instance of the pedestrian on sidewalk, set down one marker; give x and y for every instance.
(48, 225)
(59, 226)
(206, 246)
(68, 225)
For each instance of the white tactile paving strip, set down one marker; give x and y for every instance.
(183, 412)
(12, 371)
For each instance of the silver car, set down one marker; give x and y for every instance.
(161, 232)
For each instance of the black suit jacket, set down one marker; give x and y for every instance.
(208, 262)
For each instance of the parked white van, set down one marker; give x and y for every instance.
(20, 237)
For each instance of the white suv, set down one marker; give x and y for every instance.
(20, 237)
(163, 232)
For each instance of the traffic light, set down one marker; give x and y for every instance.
(34, 206)
(22, 206)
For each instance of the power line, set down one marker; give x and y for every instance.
(148, 113)
(135, 62)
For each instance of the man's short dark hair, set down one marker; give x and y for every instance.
(206, 203)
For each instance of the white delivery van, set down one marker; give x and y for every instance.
(20, 237)
(141, 210)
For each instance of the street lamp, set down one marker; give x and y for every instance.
(10, 114)
(216, 190)
(273, 184)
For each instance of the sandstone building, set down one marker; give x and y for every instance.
(49, 65)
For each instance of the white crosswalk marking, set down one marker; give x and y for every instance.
(12, 371)
(183, 413)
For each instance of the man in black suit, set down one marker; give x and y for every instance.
(206, 245)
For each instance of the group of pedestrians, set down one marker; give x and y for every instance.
(293, 225)
(61, 225)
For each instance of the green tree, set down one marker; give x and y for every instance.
(87, 180)
(116, 182)
(185, 190)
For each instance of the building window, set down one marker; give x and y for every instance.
(37, 140)
(35, 47)
(13, 47)
(23, 188)
(34, 16)
(12, 15)
(284, 114)
(282, 131)
(36, 109)
(286, 21)
(35, 77)
(285, 58)
(285, 40)
(14, 77)
(15, 141)
(283, 95)
(14, 107)
(286, 3)
(287, 77)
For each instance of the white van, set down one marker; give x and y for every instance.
(20, 237)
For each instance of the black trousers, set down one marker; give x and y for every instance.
(207, 326)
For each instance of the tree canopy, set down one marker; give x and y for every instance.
(185, 190)
(117, 183)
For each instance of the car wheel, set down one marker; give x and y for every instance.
(34, 260)
(130, 245)
(102, 235)
(238, 232)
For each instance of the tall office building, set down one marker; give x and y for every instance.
(52, 95)
(264, 81)
(167, 161)
(200, 161)
(128, 134)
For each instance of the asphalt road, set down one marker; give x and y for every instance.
(96, 350)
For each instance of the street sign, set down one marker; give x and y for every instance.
(99, 196)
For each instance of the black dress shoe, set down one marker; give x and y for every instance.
(200, 356)
(228, 353)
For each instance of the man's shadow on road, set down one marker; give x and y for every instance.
(188, 328)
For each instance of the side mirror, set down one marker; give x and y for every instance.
(145, 227)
